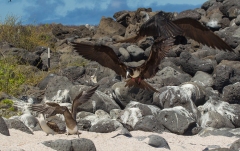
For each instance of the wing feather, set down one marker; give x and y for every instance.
(46, 109)
(142, 85)
(82, 98)
(102, 54)
(195, 30)
(159, 50)
(160, 25)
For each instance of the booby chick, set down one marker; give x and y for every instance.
(48, 127)
(51, 109)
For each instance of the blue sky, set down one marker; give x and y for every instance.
(76, 12)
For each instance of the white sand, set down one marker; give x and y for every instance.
(104, 142)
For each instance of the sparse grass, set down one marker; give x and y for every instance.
(10, 77)
(7, 102)
(7, 108)
(27, 37)
(32, 74)
(13, 75)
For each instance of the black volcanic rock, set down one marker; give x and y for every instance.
(105, 126)
(3, 127)
(189, 13)
(73, 72)
(221, 77)
(231, 93)
(215, 120)
(235, 145)
(69, 145)
(229, 111)
(227, 56)
(190, 64)
(19, 125)
(158, 142)
(123, 95)
(99, 100)
(109, 27)
(227, 72)
(228, 5)
(62, 32)
(187, 95)
(177, 119)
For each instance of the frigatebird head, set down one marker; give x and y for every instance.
(129, 73)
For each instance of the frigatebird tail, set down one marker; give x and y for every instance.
(140, 84)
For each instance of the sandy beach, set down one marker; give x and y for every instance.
(103, 141)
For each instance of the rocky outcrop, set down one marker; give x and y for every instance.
(198, 86)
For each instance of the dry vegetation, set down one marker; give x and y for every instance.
(13, 75)
(28, 36)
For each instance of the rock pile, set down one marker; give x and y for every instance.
(199, 86)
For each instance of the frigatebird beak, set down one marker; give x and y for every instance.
(127, 74)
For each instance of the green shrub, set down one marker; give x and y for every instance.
(10, 77)
(7, 109)
(7, 102)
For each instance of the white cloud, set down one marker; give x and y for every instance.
(71, 5)
(57, 9)
(147, 3)
(116, 3)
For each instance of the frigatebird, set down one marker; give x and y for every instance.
(135, 76)
(162, 25)
(164, 31)
(51, 109)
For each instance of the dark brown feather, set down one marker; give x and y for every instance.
(159, 50)
(102, 54)
(195, 30)
(160, 25)
(55, 127)
(82, 98)
(53, 104)
(133, 39)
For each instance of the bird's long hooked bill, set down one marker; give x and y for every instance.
(127, 74)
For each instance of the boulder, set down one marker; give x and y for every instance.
(69, 145)
(109, 27)
(18, 125)
(177, 119)
(3, 127)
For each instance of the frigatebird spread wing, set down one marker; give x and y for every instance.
(161, 25)
(149, 68)
(107, 57)
(159, 49)
(195, 30)
(102, 54)
(158, 25)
